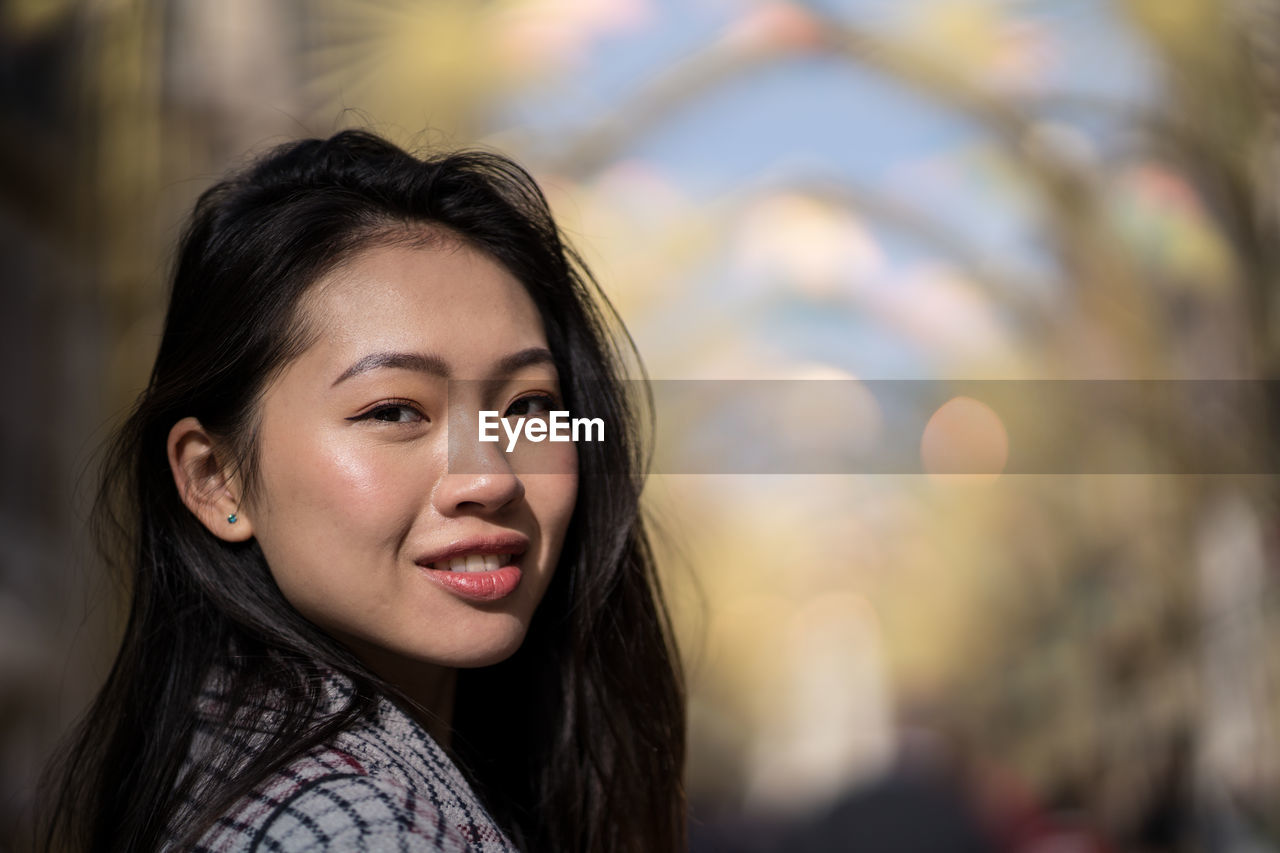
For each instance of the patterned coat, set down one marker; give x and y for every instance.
(383, 785)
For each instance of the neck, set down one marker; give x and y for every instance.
(430, 687)
(435, 693)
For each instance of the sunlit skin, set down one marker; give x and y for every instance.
(355, 479)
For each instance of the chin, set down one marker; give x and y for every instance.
(489, 658)
(486, 645)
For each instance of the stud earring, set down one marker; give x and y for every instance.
(233, 518)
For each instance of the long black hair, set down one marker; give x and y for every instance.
(594, 761)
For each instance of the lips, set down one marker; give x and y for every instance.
(480, 568)
(508, 544)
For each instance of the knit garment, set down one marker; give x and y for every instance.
(382, 785)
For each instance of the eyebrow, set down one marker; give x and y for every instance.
(435, 365)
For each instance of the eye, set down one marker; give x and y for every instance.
(532, 404)
(392, 413)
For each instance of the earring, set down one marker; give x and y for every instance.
(233, 518)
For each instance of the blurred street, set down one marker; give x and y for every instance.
(965, 651)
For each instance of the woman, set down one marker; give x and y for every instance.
(353, 625)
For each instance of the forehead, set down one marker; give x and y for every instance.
(447, 298)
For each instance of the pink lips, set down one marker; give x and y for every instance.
(478, 586)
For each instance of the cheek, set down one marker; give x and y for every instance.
(554, 495)
(327, 502)
(552, 498)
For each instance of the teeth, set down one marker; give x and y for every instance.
(474, 563)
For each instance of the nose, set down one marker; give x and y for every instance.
(487, 493)
(479, 478)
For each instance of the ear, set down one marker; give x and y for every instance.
(205, 482)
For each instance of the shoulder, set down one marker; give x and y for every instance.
(328, 800)
(380, 784)
(351, 811)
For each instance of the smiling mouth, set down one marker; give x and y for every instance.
(473, 563)
(476, 577)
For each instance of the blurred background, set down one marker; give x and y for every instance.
(838, 189)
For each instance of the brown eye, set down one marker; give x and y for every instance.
(393, 413)
(396, 414)
(534, 404)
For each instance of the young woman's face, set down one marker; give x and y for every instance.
(365, 524)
